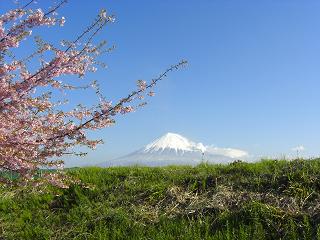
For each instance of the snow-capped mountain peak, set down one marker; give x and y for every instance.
(173, 141)
(174, 149)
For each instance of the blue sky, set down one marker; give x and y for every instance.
(252, 81)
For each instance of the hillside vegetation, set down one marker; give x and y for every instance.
(271, 199)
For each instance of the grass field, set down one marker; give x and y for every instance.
(271, 199)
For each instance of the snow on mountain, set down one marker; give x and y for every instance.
(173, 141)
(174, 149)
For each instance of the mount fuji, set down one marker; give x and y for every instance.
(174, 149)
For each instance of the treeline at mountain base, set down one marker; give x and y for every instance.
(270, 199)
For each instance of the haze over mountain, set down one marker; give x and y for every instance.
(174, 149)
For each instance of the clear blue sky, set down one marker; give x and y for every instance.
(252, 82)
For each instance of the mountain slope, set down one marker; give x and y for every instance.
(174, 149)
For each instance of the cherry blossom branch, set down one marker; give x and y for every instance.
(51, 66)
(124, 100)
(56, 8)
(45, 15)
(27, 4)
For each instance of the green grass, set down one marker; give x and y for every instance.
(271, 199)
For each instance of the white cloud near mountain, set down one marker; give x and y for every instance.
(229, 152)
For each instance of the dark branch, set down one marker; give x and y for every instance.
(121, 102)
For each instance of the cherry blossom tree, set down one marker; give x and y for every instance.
(35, 131)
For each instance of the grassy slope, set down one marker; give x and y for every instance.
(265, 200)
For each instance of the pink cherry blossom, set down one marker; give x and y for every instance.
(34, 131)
